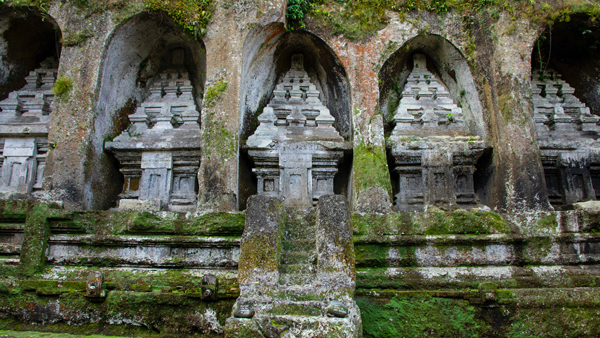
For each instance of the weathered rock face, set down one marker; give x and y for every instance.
(295, 148)
(160, 151)
(434, 152)
(567, 133)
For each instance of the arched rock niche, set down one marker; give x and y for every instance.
(27, 38)
(446, 63)
(266, 58)
(574, 54)
(138, 50)
(565, 85)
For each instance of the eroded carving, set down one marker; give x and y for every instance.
(433, 150)
(160, 152)
(24, 124)
(296, 149)
(566, 136)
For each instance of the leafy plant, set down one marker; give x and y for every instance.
(450, 118)
(192, 15)
(62, 86)
(296, 11)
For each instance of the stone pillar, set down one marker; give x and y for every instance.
(335, 246)
(261, 245)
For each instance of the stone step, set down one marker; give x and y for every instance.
(302, 245)
(296, 279)
(295, 326)
(299, 233)
(294, 308)
(298, 257)
(297, 268)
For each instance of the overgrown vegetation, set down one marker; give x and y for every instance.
(214, 92)
(75, 38)
(62, 86)
(359, 19)
(296, 11)
(192, 15)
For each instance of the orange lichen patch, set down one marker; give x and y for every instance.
(275, 34)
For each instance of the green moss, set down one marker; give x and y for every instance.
(465, 222)
(70, 38)
(419, 316)
(218, 141)
(221, 223)
(32, 258)
(370, 168)
(548, 222)
(258, 253)
(62, 86)
(431, 223)
(360, 19)
(214, 92)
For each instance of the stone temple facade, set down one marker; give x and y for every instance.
(218, 169)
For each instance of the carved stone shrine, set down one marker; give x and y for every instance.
(24, 124)
(566, 136)
(160, 153)
(296, 149)
(434, 152)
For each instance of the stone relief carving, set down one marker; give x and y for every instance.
(566, 136)
(433, 150)
(24, 131)
(160, 152)
(296, 149)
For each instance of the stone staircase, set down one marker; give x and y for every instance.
(298, 262)
(285, 290)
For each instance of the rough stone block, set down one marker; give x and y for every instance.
(144, 205)
(261, 244)
(335, 244)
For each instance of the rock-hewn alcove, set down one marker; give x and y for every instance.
(27, 38)
(435, 124)
(139, 50)
(267, 57)
(29, 51)
(565, 87)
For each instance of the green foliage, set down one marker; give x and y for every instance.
(296, 10)
(192, 15)
(62, 86)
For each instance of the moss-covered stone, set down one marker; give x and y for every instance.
(436, 222)
(370, 168)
